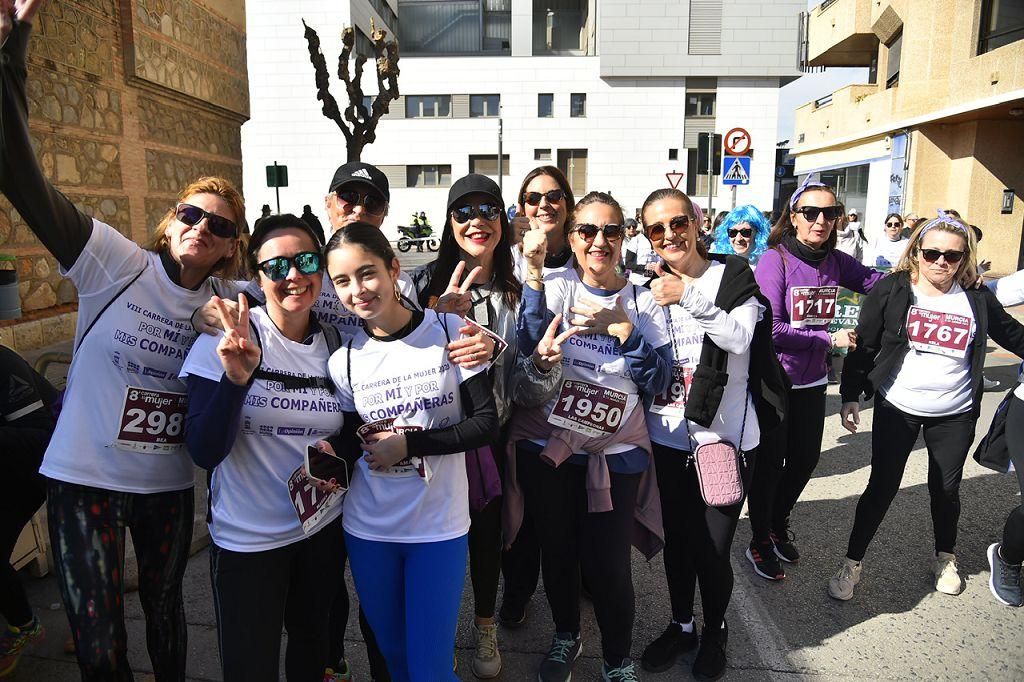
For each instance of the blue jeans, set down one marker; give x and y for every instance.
(411, 594)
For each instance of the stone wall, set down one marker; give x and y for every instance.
(129, 101)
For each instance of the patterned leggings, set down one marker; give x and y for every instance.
(87, 528)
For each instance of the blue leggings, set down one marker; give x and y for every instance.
(411, 594)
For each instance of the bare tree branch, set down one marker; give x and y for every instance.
(330, 105)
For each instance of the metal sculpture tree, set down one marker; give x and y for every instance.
(358, 123)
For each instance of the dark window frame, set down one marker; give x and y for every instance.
(575, 98)
(550, 104)
(986, 36)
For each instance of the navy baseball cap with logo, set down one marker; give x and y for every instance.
(357, 172)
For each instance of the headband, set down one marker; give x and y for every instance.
(804, 186)
(946, 219)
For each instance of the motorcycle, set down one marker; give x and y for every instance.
(419, 233)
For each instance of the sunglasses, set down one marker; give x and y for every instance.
(373, 203)
(463, 214)
(218, 225)
(746, 233)
(932, 255)
(656, 232)
(553, 197)
(610, 231)
(893, 224)
(811, 213)
(277, 268)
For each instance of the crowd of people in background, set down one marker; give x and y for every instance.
(561, 385)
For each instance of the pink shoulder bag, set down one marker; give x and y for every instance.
(719, 476)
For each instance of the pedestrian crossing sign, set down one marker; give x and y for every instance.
(737, 170)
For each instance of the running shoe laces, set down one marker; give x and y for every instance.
(626, 672)
(560, 649)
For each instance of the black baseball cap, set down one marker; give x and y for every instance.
(474, 183)
(357, 172)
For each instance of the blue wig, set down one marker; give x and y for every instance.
(743, 214)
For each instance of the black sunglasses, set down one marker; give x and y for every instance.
(277, 268)
(932, 255)
(373, 203)
(463, 214)
(893, 224)
(811, 213)
(656, 232)
(553, 196)
(218, 225)
(745, 232)
(610, 231)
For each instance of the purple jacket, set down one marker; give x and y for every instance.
(803, 351)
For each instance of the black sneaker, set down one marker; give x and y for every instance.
(661, 654)
(511, 616)
(1005, 582)
(762, 556)
(710, 661)
(564, 651)
(784, 547)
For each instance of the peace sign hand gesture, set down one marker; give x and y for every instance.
(238, 354)
(549, 351)
(456, 298)
(667, 289)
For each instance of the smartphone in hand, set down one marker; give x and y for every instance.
(323, 466)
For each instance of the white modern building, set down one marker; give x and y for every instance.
(614, 92)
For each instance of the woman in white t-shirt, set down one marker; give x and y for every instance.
(888, 249)
(117, 458)
(715, 298)
(258, 397)
(589, 445)
(413, 413)
(921, 350)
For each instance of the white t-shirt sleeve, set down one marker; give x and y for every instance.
(337, 368)
(651, 322)
(732, 331)
(202, 359)
(108, 260)
(1010, 289)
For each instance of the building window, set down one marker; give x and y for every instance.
(487, 164)
(428, 176)
(673, 154)
(541, 154)
(545, 105)
(892, 67)
(455, 26)
(1002, 23)
(578, 104)
(484, 106)
(560, 27)
(573, 164)
(700, 103)
(428, 106)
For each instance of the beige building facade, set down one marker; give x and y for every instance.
(129, 100)
(940, 124)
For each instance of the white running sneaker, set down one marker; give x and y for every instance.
(840, 586)
(947, 577)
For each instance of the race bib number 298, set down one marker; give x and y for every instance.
(152, 421)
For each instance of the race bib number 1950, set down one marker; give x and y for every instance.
(812, 305)
(942, 333)
(589, 409)
(152, 421)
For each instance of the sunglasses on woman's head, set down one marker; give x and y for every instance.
(811, 213)
(277, 268)
(373, 203)
(218, 225)
(463, 214)
(611, 231)
(745, 232)
(656, 231)
(932, 255)
(553, 196)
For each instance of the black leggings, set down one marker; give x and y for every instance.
(893, 434)
(1012, 550)
(599, 543)
(87, 528)
(254, 593)
(485, 557)
(698, 538)
(22, 492)
(338, 623)
(786, 458)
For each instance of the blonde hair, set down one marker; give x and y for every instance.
(232, 266)
(967, 269)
